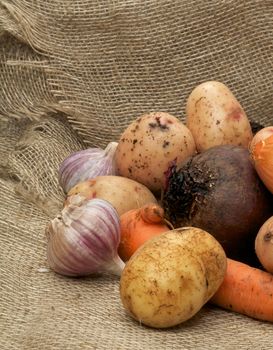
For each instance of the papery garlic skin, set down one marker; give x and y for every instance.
(84, 239)
(87, 164)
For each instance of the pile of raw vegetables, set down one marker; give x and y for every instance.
(182, 212)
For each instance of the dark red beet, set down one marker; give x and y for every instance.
(219, 191)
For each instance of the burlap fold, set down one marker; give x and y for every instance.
(73, 74)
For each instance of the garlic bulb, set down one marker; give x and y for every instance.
(87, 164)
(84, 239)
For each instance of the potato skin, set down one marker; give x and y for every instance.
(149, 144)
(264, 245)
(124, 194)
(166, 281)
(211, 253)
(215, 117)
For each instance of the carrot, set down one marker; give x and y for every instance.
(139, 225)
(152, 213)
(246, 290)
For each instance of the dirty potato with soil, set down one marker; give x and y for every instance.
(215, 117)
(149, 145)
(171, 276)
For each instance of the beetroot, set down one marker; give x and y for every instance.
(219, 191)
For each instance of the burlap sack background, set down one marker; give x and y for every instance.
(73, 74)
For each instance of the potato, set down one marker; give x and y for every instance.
(210, 252)
(170, 277)
(264, 245)
(148, 146)
(124, 194)
(215, 117)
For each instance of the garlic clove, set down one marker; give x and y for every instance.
(84, 239)
(87, 164)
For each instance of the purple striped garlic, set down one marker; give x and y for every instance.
(87, 164)
(84, 239)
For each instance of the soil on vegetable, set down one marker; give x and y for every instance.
(186, 190)
(159, 124)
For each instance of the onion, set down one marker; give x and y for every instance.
(262, 134)
(261, 150)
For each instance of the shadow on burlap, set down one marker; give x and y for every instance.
(73, 74)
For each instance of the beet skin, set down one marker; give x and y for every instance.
(219, 191)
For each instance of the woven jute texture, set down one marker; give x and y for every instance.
(73, 74)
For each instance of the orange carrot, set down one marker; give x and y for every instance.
(152, 213)
(139, 225)
(246, 290)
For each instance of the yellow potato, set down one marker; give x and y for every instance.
(162, 291)
(215, 117)
(264, 245)
(170, 277)
(149, 145)
(211, 253)
(124, 194)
